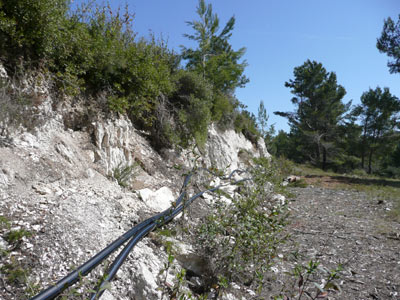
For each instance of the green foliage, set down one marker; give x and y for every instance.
(389, 43)
(242, 237)
(378, 111)
(4, 223)
(262, 118)
(281, 145)
(14, 272)
(319, 110)
(16, 235)
(123, 174)
(245, 122)
(266, 132)
(222, 107)
(192, 100)
(214, 58)
(94, 50)
(30, 30)
(184, 116)
(307, 277)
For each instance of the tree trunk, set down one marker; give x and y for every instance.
(317, 155)
(364, 144)
(370, 162)
(323, 158)
(362, 156)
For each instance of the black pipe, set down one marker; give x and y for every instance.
(83, 270)
(111, 272)
(135, 234)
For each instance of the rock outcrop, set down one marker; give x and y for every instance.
(60, 186)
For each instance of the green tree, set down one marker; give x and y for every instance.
(389, 43)
(319, 110)
(214, 57)
(267, 133)
(378, 112)
(262, 118)
(281, 145)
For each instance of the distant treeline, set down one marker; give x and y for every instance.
(338, 136)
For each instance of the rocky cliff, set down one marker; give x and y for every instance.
(61, 189)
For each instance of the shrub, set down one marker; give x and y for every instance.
(242, 237)
(222, 106)
(184, 116)
(245, 122)
(30, 30)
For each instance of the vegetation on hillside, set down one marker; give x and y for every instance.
(92, 51)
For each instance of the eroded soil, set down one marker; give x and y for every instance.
(341, 227)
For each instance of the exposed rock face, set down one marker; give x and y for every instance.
(54, 182)
(223, 149)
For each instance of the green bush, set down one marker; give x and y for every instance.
(30, 30)
(245, 122)
(222, 106)
(242, 237)
(185, 115)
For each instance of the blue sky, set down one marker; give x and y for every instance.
(282, 34)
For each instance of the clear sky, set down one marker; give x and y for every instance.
(282, 34)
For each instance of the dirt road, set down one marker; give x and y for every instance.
(342, 227)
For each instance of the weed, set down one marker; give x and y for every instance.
(123, 174)
(299, 183)
(14, 272)
(167, 232)
(16, 235)
(306, 282)
(4, 223)
(178, 290)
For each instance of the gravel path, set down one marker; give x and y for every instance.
(344, 227)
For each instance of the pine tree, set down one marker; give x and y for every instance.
(378, 111)
(318, 98)
(214, 57)
(389, 43)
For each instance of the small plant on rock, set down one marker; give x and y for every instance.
(123, 174)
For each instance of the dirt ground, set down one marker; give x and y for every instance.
(341, 227)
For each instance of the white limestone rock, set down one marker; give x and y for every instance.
(159, 200)
(3, 72)
(3, 179)
(223, 149)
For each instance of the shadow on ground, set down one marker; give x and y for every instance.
(354, 180)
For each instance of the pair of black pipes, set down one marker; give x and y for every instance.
(135, 235)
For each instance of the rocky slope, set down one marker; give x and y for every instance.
(59, 190)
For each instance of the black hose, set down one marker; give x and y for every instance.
(120, 260)
(111, 272)
(83, 270)
(134, 234)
